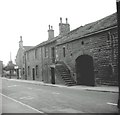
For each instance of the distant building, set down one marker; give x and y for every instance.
(87, 55)
(1, 68)
(10, 69)
(20, 59)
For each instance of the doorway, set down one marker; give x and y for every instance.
(53, 54)
(85, 70)
(33, 71)
(52, 75)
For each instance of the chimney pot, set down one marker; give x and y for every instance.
(60, 20)
(66, 20)
(49, 27)
(20, 38)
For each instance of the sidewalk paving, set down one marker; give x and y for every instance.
(103, 88)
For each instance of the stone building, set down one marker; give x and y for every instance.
(20, 59)
(87, 55)
(1, 68)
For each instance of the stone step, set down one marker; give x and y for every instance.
(70, 84)
(62, 70)
(65, 74)
(68, 80)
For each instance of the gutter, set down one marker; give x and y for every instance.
(89, 34)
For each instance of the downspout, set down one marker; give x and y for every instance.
(25, 66)
(42, 63)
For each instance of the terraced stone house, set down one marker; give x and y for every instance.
(87, 55)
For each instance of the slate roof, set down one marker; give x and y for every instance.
(82, 31)
(46, 42)
(27, 47)
(90, 28)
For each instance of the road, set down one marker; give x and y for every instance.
(20, 97)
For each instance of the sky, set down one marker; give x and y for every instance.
(30, 19)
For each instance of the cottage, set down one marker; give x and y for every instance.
(20, 59)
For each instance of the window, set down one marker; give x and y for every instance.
(63, 51)
(53, 54)
(45, 51)
(23, 71)
(23, 59)
(28, 70)
(36, 70)
(82, 42)
(35, 53)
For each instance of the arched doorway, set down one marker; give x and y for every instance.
(85, 70)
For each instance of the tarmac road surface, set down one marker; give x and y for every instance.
(20, 97)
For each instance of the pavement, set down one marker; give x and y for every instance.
(102, 88)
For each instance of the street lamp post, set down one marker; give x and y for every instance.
(118, 22)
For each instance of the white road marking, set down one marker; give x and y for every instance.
(28, 97)
(13, 85)
(55, 93)
(112, 103)
(22, 103)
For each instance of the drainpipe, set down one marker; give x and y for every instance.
(25, 66)
(118, 22)
(42, 63)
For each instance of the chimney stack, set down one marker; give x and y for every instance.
(50, 32)
(63, 27)
(20, 42)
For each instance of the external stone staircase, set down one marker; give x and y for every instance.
(64, 73)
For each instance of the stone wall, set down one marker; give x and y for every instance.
(97, 41)
(1, 68)
(103, 47)
(40, 56)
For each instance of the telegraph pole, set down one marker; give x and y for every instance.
(118, 22)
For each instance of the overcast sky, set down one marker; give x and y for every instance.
(30, 19)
